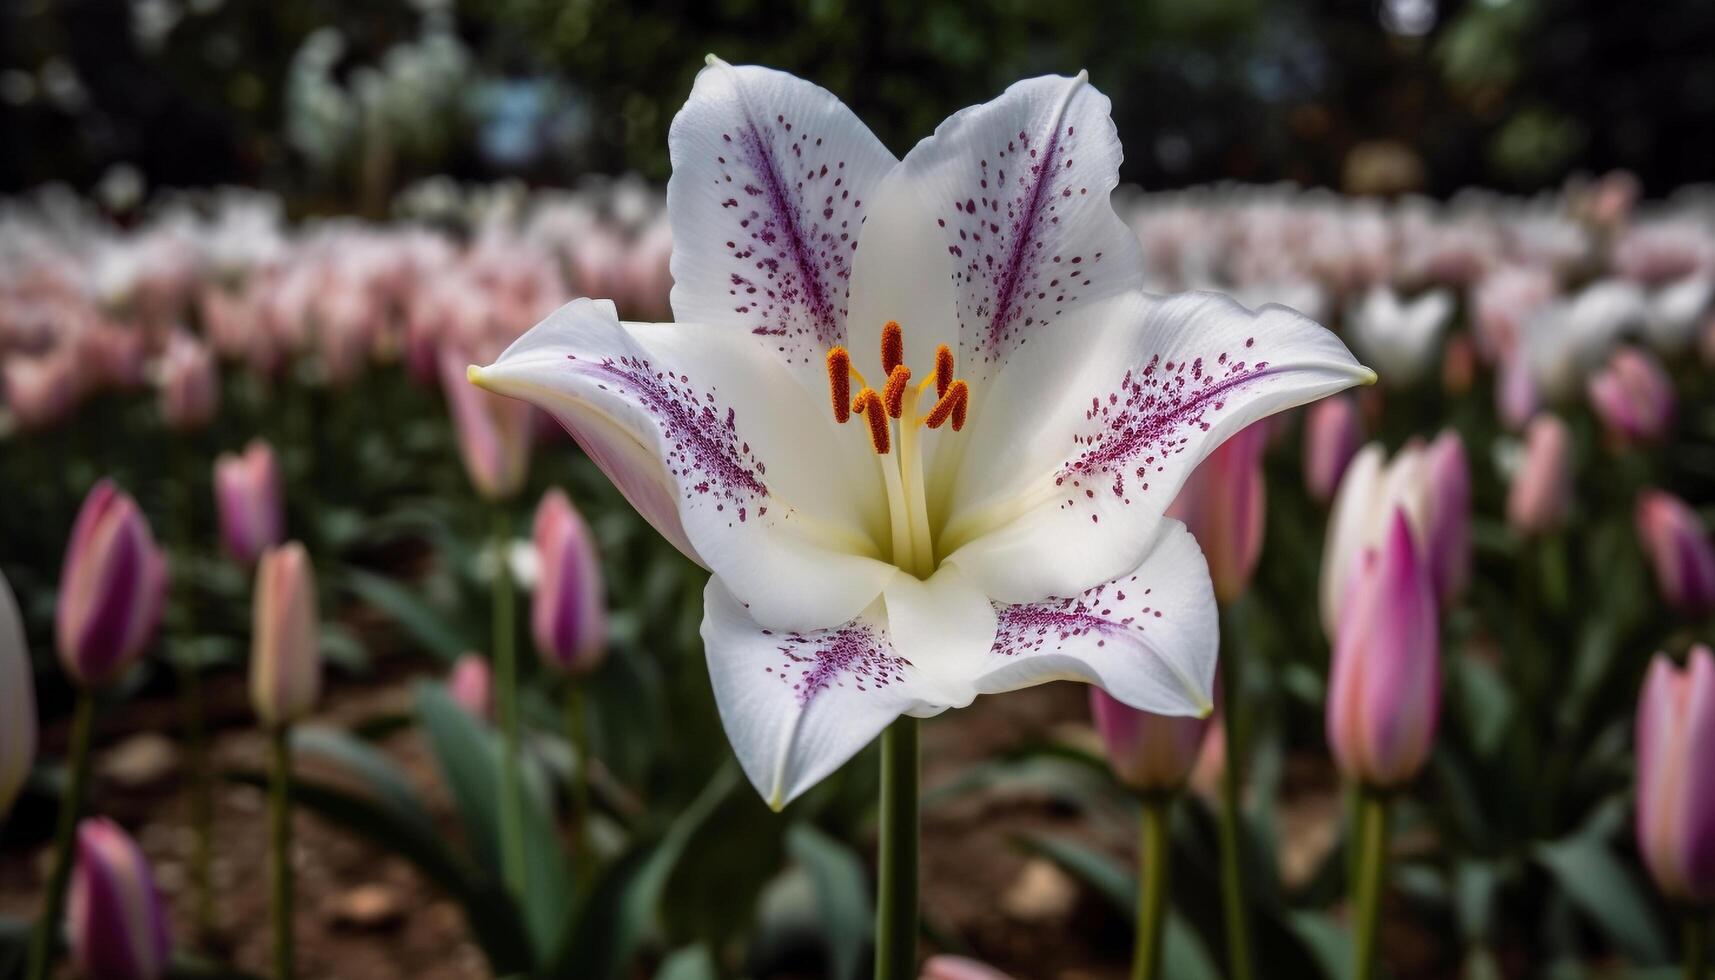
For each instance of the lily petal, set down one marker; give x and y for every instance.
(709, 437)
(1091, 431)
(1149, 638)
(1016, 191)
(770, 178)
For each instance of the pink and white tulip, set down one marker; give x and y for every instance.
(946, 967)
(471, 685)
(1150, 753)
(285, 653)
(17, 702)
(1541, 490)
(1633, 397)
(1676, 784)
(112, 586)
(115, 918)
(1333, 431)
(493, 432)
(1384, 695)
(1223, 503)
(188, 383)
(569, 609)
(248, 499)
(1680, 550)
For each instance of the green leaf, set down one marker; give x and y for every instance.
(361, 759)
(1330, 945)
(1609, 893)
(619, 911)
(842, 893)
(469, 755)
(690, 963)
(406, 608)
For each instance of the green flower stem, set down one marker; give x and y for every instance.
(280, 850)
(1232, 819)
(577, 731)
(896, 903)
(1696, 944)
(46, 936)
(506, 711)
(1152, 888)
(1367, 889)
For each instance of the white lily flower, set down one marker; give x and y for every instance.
(1399, 337)
(1676, 311)
(1018, 415)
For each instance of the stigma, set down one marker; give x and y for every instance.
(898, 397)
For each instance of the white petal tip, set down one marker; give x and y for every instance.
(1367, 376)
(474, 374)
(1082, 76)
(713, 60)
(1205, 709)
(777, 802)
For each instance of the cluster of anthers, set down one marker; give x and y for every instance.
(898, 398)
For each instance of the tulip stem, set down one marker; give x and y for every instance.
(1232, 820)
(577, 731)
(896, 903)
(1696, 939)
(280, 849)
(1367, 889)
(506, 711)
(1152, 888)
(46, 936)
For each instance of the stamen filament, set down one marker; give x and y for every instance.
(916, 503)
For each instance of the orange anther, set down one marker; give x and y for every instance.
(892, 346)
(840, 382)
(951, 406)
(893, 396)
(943, 370)
(868, 403)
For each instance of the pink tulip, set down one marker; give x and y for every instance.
(189, 383)
(115, 919)
(493, 432)
(569, 611)
(1385, 691)
(112, 586)
(285, 657)
(471, 685)
(1150, 753)
(1516, 394)
(1679, 548)
(41, 391)
(1541, 490)
(247, 496)
(1332, 434)
(1676, 783)
(1447, 537)
(17, 702)
(1223, 504)
(946, 967)
(1633, 397)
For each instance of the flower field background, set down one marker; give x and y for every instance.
(262, 336)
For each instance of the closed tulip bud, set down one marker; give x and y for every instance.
(114, 915)
(1385, 693)
(40, 391)
(1676, 783)
(248, 497)
(569, 611)
(1633, 397)
(189, 385)
(1447, 528)
(1516, 395)
(1150, 753)
(1223, 503)
(1679, 548)
(493, 432)
(946, 967)
(471, 685)
(285, 658)
(17, 702)
(1541, 490)
(1333, 431)
(112, 585)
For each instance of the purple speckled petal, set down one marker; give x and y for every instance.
(716, 444)
(1017, 190)
(770, 178)
(1149, 638)
(1089, 433)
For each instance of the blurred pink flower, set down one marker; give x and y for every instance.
(17, 702)
(188, 384)
(1150, 753)
(471, 685)
(248, 498)
(115, 919)
(1384, 692)
(1676, 784)
(112, 586)
(1541, 489)
(1223, 503)
(41, 391)
(1501, 304)
(1633, 397)
(1679, 548)
(569, 610)
(493, 432)
(285, 653)
(946, 967)
(1333, 431)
